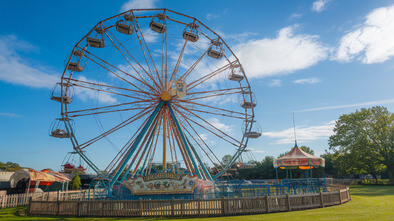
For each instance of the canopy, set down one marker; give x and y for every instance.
(34, 176)
(299, 158)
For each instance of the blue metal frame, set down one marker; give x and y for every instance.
(135, 144)
(185, 142)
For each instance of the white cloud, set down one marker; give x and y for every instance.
(17, 70)
(304, 134)
(373, 41)
(150, 36)
(282, 55)
(219, 125)
(87, 94)
(307, 81)
(211, 16)
(275, 83)
(371, 103)
(295, 16)
(138, 4)
(10, 115)
(319, 5)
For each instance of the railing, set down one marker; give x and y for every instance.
(15, 200)
(195, 207)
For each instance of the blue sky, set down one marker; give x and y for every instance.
(318, 59)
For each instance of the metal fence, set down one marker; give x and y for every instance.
(193, 207)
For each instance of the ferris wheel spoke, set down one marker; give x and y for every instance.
(119, 126)
(135, 60)
(211, 125)
(180, 58)
(194, 65)
(140, 36)
(110, 106)
(198, 143)
(105, 112)
(217, 114)
(215, 108)
(181, 147)
(210, 130)
(107, 91)
(143, 93)
(125, 148)
(111, 68)
(214, 93)
(201, 80)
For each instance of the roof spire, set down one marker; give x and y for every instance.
(295, 135)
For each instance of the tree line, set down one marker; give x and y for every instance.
(362, 144)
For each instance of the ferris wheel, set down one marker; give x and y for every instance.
(150, 91)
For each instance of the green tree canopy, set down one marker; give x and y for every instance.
(363, 142)
(226, 159)
(75, 183)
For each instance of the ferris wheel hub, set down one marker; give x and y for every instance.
(165, 96)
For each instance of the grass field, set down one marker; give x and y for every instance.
(368, 203)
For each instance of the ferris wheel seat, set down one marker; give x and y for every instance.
(215, 54)
(248, 105)
(190, 36)
(158, 27)
(235, 77)
(253, 134)
(66, 99)
(58, 133)
(124, 28)
(75, 66)
(95, 42)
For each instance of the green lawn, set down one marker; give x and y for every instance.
(368, 203)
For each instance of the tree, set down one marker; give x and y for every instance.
(9, 166)
(75, 183)
(364, 141)
(226, 159)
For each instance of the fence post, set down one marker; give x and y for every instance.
(199, 206)
(79, 208)
(340, 198)
(222, 202)
(140, 207)
(288, 202)
(29, 208)
(172, 207)
(321, 200)
(58, 207)
(266, 203)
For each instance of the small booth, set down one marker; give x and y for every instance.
(298, 159)
(33, 181)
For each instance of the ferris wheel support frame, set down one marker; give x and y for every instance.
(134, 147)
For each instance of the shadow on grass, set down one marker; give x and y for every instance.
(371, 190)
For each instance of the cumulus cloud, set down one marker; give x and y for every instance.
(138, 4)
(319, 5)
(373, 41)
(307, 81)
(221, 126)
(286, 53)
(304, 134)
(10, 115)
(87, 94)
(364, 104)
(15, 69)
(275, 83)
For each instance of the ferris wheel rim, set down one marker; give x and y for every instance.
(64, 106)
